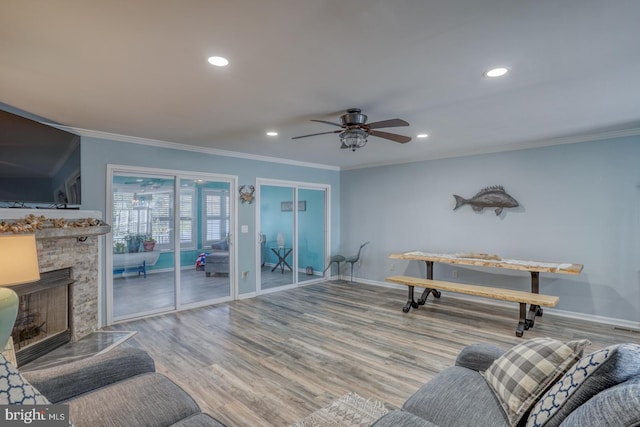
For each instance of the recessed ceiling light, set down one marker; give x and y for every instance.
(497, 72)
(272, 133)
(218, 61)
(422, 135)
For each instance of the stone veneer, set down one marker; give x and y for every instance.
(62, 248)
(57, 253)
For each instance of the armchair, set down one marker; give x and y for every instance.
(217, 261)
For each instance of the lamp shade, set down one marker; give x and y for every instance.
(18, 259)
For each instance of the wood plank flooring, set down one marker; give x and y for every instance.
(134, 294)
(273, 359)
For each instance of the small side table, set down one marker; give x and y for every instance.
(282, 254)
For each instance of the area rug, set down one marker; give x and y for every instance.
(351, 410)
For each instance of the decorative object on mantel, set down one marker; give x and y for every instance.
(489, 197)
(247, 196)
(31, 223)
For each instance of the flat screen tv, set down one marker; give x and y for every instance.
(39, 164)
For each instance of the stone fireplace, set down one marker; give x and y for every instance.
(42, 323)
(75, 252)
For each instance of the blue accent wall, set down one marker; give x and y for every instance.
(97, 153)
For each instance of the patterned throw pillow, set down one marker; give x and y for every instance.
(14, 389)
(521, 375)
(592, 374)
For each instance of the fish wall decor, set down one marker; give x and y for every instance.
(489, 197)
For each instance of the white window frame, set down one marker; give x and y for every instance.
(223, 216)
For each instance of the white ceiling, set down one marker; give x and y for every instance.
(139, 68)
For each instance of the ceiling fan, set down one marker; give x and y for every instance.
(355, 130)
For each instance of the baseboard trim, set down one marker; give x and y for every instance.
(247, 295)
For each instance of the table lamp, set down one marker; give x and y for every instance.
(18, 264)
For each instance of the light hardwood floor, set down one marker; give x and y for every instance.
(273, 359)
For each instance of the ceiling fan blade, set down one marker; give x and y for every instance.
(391, 123)
(326, 122)
(392, 136)
(314, 134)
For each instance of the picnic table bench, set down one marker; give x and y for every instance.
(533, 298)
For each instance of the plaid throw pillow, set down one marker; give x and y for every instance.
(521, 375)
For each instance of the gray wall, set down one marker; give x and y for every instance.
(579, 203)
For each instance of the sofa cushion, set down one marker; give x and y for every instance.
(401, 419)
(221, 245)
(589, 376)
(62, 382)
(458, 397)
(615, 406)
(149, 399)
(14, 389)
(478, 356)
(521, 375)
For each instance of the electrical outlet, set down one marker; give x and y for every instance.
(454, 274)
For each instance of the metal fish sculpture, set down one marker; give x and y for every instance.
(490, 197)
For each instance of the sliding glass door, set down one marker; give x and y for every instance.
(142, 228)
(311, 233)
(205, 209)
(172, 242)
(277, 228)
(292, 224)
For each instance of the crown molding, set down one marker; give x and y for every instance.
(600, 136)
(185, 147)
(463, 153)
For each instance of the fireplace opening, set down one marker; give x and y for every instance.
(43, 322)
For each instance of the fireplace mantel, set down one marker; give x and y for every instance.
(72, 232)
(74, 247)
(13, 215)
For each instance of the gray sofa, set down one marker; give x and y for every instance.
(119, 388)
(599, 389)
(217, 260)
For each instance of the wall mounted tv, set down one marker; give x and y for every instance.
(39, 164)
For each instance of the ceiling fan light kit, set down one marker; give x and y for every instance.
(355, 130)
(353, 139)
